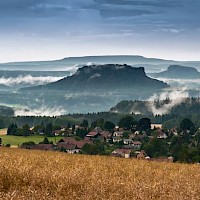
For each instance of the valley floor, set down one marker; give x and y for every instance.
(26, 174)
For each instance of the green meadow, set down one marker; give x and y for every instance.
(19, 140)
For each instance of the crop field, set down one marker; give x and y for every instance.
(3, 131)
(26, 174)
(18, 140)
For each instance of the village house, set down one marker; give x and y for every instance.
(57, 132)
(93, 134)
(67, 133)
(173, 131)
(63, 128)
(116, 139)
(94, 138)
(142, 155)
(69, 148)
(79, 144)
(127, 141)
(136, 144)
(161, 134)
(118, 134)
(44, 147)
(106, 135)
(125, 153)
(130, 146)
(136, 132)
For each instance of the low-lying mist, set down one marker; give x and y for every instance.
(186, 83)
(175, 97)
(28, 80)
(40, 111)
(58, 102)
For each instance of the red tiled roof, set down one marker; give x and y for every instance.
(92, 133)
(79, 144)
(87, 139)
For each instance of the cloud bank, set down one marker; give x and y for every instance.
(187, 83)
(30, 80)
(176, 97)
(41, 111)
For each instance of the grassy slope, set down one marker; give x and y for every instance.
(18, 140)
(26, 174)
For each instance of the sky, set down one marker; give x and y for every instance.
(54, 29)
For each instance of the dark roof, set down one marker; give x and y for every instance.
(106, 134)
(128, 147)
(67, 146)
(79, 144)
(137, 143)
(117, 137)
(39, 147)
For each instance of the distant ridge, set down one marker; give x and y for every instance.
(117, 59)
(120, 58)
(68, 62)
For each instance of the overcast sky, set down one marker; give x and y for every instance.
(53, 29)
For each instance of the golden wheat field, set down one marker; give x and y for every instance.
(26, 174)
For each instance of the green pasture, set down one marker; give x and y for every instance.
(18, 140)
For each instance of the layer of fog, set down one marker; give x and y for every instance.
(176, 97)
(40, 111)
(30, 80)
(189, 83)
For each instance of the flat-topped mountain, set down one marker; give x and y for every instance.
(109, 77)
(95, 88)
(177, 71)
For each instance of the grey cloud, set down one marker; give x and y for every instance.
(157, 3)
(88, 23)
(38, 8)
(125, 12)
(132, 8)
